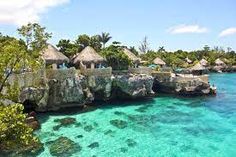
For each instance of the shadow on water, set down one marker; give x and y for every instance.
(70, 111)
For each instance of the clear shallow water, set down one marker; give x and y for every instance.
(165, 126)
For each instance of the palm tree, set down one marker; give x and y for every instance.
(104, 38)
(161, 49)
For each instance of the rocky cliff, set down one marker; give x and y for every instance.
(70, 89)
(181, 86)
(132, 86)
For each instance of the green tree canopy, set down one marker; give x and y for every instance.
(104, 38)
(116, 58)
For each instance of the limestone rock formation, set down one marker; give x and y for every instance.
(66, 93)
(132, 85)
(181, 86)
(100, 86)
(36, 95)
(67, 88)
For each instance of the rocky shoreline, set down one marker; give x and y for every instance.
(71, 89)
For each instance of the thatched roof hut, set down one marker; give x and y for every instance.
(131, 56)
(189, 61)
(219, 62)
(52, 56)
(198, 67)
(159, 61)
(88, 55)
(203, 62)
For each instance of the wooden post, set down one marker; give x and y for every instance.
(92, 65)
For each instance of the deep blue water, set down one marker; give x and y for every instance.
(166, 126)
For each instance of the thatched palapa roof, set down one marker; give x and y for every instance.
(219, 62)
(88, 55)
(198, 67)
(203, 62)
(159, 61)
(52, 56)
(131, 56)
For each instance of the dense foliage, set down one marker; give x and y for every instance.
(116, 58)
(35, 38)
(18, 56)
(14, 132)
(70, 48)
(177, 58)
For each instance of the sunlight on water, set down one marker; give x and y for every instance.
(164, 126)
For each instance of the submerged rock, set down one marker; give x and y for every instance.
(88, 128)
(124, 150)
(63, 146)
(118, 113)
(109, 132)
(143, 120)
(93, 145)
(143, 109)
(131, 142)
(33, 149)
(64, 122)
(80, 136)
(121, 124)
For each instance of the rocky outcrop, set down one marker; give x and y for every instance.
(223, 69)
(68, 92)
(181, 86)
(37, 96)
(132, 86)
(100, 86)
(67, 88)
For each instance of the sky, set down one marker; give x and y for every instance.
(174, 24)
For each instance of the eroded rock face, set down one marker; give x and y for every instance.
(223, 69)
(100, 86)
(66, 93)
(194, 86)
(132, 86)
(37, 95)
(69, 89)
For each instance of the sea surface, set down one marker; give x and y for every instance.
(165, 126)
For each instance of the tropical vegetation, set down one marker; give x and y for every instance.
(17, 56)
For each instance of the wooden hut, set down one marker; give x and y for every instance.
(219, 62)
(203, 62)
(159, 62)
(135, 60)
(53, 57)
(88, 58)
(198, 69)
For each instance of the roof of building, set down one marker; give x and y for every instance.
(52, 56)
(88, 55)
(158, 61)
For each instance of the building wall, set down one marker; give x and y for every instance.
(29, 79)
(61, 74)
(140, 70)
(97, 72)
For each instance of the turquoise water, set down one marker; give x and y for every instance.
(165, 126)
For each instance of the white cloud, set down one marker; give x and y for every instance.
(181, 29)
(227, 32)
(20, 12)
